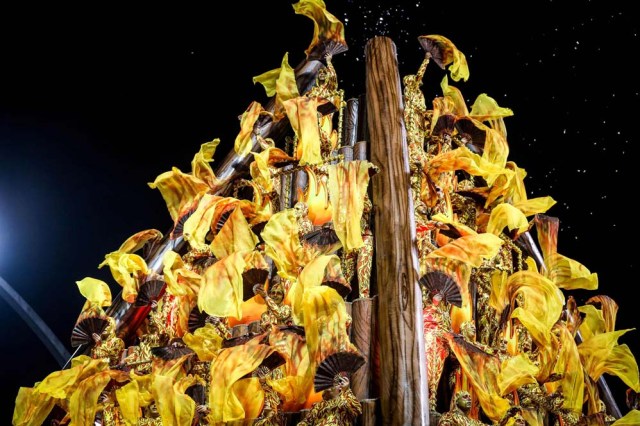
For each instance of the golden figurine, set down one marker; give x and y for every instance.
(459, 414)
(277, 312)
(271, 414)
(150, 417)
(440, 291)
(338, 407)
(305, 225)
(108, 345)
(359, 262)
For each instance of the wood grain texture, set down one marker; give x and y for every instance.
(361, 330)
(403, 383)
(370, 413)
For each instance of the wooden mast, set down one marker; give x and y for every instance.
(403, 383)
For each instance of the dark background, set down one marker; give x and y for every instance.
(95, 103)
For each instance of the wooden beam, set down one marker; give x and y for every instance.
(403, 387)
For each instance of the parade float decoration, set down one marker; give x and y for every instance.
(370, 259)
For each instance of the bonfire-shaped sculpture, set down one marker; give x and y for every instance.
(325, 277)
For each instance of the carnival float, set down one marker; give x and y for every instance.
(369, 259)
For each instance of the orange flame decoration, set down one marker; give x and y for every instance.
(317, 199)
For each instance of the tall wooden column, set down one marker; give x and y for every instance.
(403, 379)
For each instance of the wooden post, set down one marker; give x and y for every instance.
(361, 330)
(370, 412)
(403, 387)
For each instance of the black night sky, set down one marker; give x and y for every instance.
(95, 103)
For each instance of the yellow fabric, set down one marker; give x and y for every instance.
(470, 249)
(486, 108)
(542, 305)
(455, 95)
(282, 243)
(462, 159)
(303, 116)
(139, 239)
(260, 166)
(451, 56)
(262, 205)
(507, 216)
(230, 365)
(126, 269)
(297, 383)
(482, 370)
(31, 407)
(97, 292)
(516, 371)
(325, 319)
(609, 309)
(221, 290)
(462, 229)
(235, 235)
(568, 364)
(250, 395)
(61, 384)
(174, 406)
(535, 205)
(601, 353)
(200, 167)
(180, 280)
(204, 341)
(632, 418)
(326, 27)
(179, 189)
(348, 183)
(570, 274)
(280, 82)
(244, 142)
(311, 276)
(129, 402)
(198, 225)
(317, 199)
(496, 149)
(507, 184)
(83, 403)
(592, 323)
(143, 387)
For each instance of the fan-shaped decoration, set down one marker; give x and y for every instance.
(197, 319)
(251, 277)
(149, 248)
(327, 47)
(475, 135)
(439, 51)
(223, 219)
(203, 262)
(468, 346)
(479, 195)
(241, 340)
(85, 327)
(445, 124)
(175, 349)
(295, 329)
(178, 228)
(339, 284)
(257, 229)
(443, 284)
(325, 236)
(334, 364)
(197, 392)
(271, 362)
(149, 291)
(334, 278)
